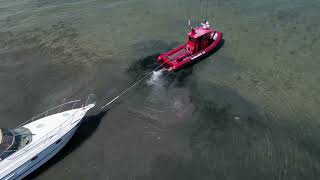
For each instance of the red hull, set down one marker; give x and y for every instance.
(182, 56)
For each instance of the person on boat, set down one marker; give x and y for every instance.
(205, 25)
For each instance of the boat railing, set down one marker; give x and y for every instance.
(57, 130)
(52, 111)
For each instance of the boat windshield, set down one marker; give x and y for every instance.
(13, 140)
(6, 140)
(192, 39)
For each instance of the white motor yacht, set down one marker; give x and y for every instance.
(27, 147)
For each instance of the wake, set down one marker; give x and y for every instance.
(155, 78)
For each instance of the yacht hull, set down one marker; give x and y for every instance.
(49, 135)
(42, 157)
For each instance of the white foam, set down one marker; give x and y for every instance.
(155, 78)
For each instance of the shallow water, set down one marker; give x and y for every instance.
(249, 111)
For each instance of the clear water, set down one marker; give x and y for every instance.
(249, 111)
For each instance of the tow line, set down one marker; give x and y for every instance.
(130, 87)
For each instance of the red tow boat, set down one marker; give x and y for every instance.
(201, 42)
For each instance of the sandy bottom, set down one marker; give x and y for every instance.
(249, 111)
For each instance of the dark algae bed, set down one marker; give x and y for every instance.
(249, 111)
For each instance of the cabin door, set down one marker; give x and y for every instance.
(199, 44)
(205, 43)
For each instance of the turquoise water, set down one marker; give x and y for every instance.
(249, 111)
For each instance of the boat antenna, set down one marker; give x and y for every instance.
(206, 12)
(199, 14)
(189, 21)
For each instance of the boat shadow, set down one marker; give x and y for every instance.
(86, 129)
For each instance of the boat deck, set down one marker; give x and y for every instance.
(178, 54)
